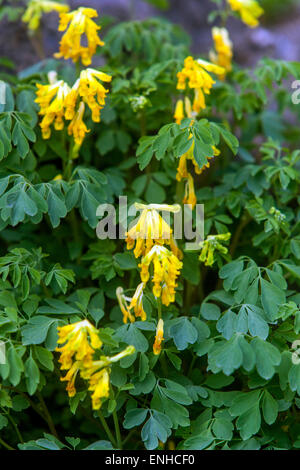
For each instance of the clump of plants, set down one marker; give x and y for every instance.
(140, 341)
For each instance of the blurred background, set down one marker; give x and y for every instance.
(277, 36)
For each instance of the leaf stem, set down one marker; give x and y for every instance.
(106, 429)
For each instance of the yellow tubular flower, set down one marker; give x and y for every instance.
(195, 73)
(223, 47)
(99, 385)
(159, 337)
(51, 99)
(79, 340)
(77, 127)
(211, 244)
(36, 8)
(92, 91)
(166, 268)
(249, 10)
(137, 302)
(151, 228)
(98, 375)
(78, 23)
(190, 196)
(70, 377)
(179, 114)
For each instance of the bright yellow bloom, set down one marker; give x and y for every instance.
(159, 337)
(183, 110)
(51, 99)
(249, 10)
(151, 228)
(79, 339)
(211, 244)
(166, 268)
(99, 385)
(36, 8)
(98, 375)
(78, 23)
(190, 196)
(179, 114)
(135, 303)
(89, 90)
(92, 91)
(223, 47)
(58, 177)
(196, 73)
(77, 127)
(182, 170)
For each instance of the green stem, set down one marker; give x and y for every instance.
(106, 429)
(117, 428)
(47, 415)
(4, 444)
(159, 308)
(15, 426)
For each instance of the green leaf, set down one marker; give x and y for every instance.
(182, 332)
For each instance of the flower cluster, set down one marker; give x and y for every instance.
(59, 102)
(196, 74)
(223, 49)
(211, 244)
(36, 8)
(76, 24)
(150, 237)
(249, 10)
(80, 341)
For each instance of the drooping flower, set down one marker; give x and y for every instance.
(249, 10)
(98, 375)
(211, 244)
(196, 74)
(77, 127)
(99, 385)
(223, 49)
(135, 303)
(36, 8)
(166, 269)
(92, 91)
(159, 337)
(79, 341)
(190, 196)
(76, 24)
(179, 114)
(51, 99)
(152, 229)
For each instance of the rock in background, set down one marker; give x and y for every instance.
(278, 40)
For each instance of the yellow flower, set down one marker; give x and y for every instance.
(183, 110)
(135, 303)
(58, 177)
(166, 268)
(151, 228)
(98, 375)
(179, 114)
(51, 99)
(36, 8)
(190, 196)
(78, 23)
(249, 10)
(77, 127)
(223, 47)
(92, 91)
(159, 337)
(195, 73)
(79, 341)
(211, 244)
(182, 170)
(70, 377)
(99, 385)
